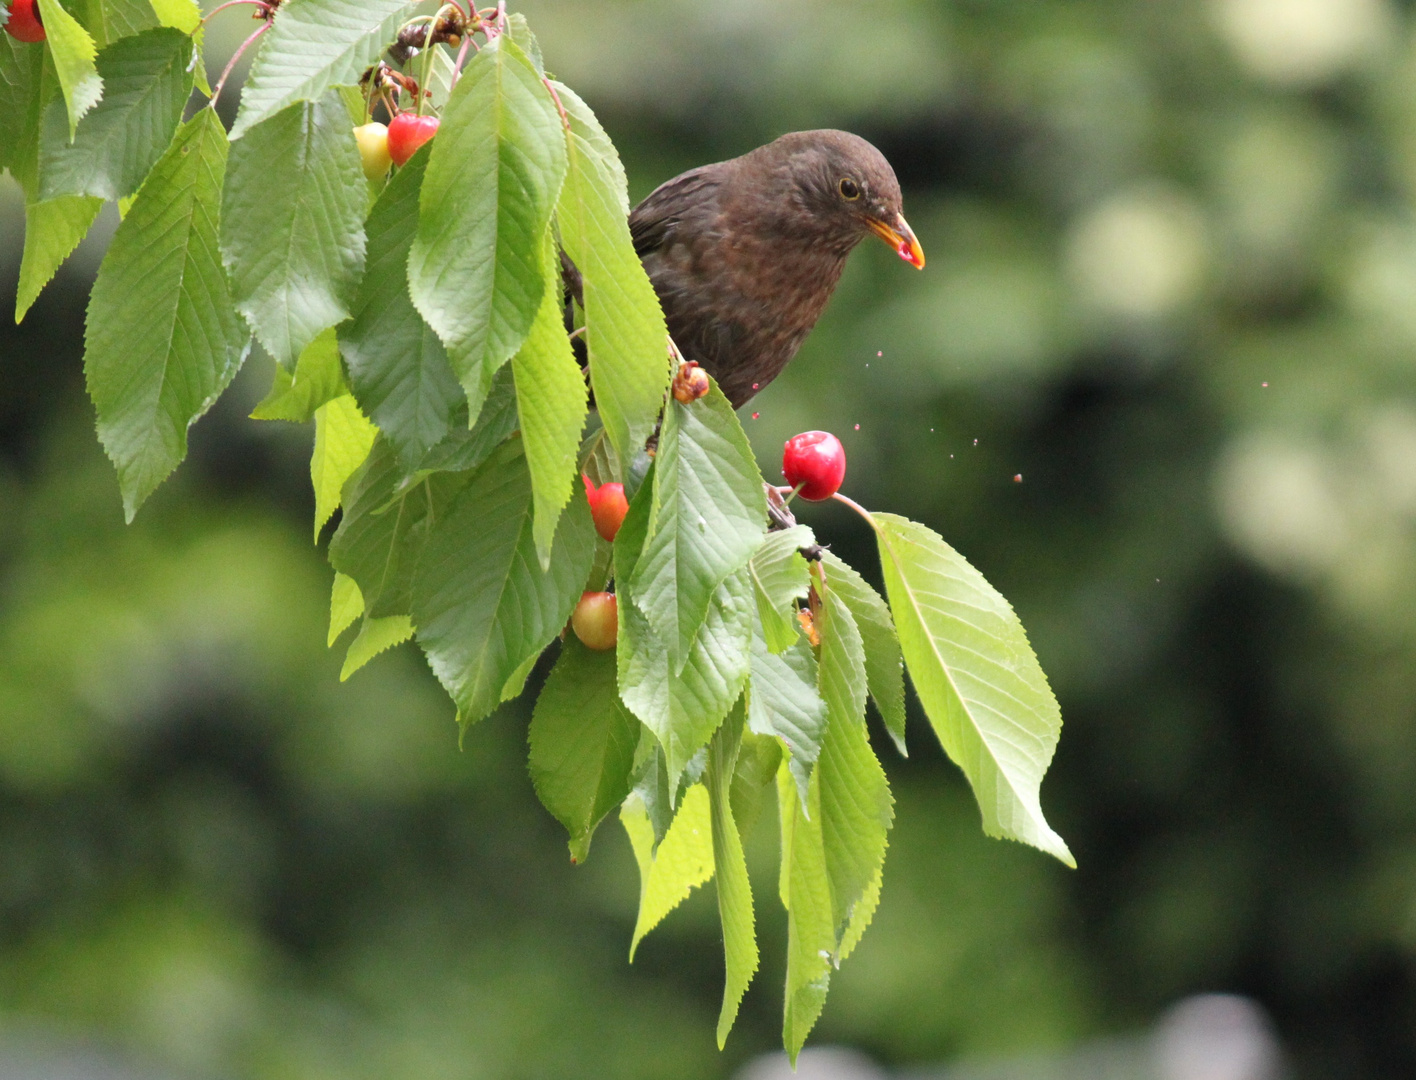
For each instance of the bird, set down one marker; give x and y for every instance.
(744, 254)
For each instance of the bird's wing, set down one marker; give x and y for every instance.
(651, 222)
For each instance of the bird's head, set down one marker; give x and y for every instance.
(846, 187)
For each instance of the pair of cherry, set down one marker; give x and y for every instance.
(383, 145)
(814, 464)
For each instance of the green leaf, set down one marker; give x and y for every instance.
(52, 230)
(375, 636)
(343, 439)
(805, 889)
(863, 914)
(346, 603)
(318, 378)
(73, 52)
(383, 530)
(482, 604)
(786, 824)
(397, 365)
(779, 579)
(387, 514)
(734, 890)
(552, 401)
(313, 45)
(624, 325)
(440, 79)
(682, 862)
(515, 683)
(833, 848)
(759, 756)
(884, 666)
(21, 66)
(705, 522)
(977, 677)
(582, 743)
(629, 541)
(292, 225)
(108, 21)
(856, 806)
(147, 80)
(519, 30)
(465, 448)
(684, 709)
(162, 340)
(185, 15)
(783, 702)
(474, 271)
(650, 781)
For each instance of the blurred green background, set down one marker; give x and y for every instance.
(1171, 284)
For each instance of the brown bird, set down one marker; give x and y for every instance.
(745, 253)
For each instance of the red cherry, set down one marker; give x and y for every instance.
(24, 24)
(817, 461)
(608, 507)
(407, 132)
(596, 620)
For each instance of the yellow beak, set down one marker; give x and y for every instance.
(900, 237)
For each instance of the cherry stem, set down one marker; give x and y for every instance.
(862, 511)
(216, 92)
(461, 56)
(793, 492)
(427, 67)
(557, 98)
(233, 3)
(369, 102)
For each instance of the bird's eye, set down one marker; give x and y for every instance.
(849, 189)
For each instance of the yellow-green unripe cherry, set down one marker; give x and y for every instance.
(373, 149)
(596, 620)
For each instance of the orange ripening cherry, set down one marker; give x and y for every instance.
(690, 382)
(407, 132)
(24, 24)
(608, 507)
(816, 460)
(596, 620)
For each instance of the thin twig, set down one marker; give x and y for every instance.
(462, 55)
(232, 3)
(216, 91)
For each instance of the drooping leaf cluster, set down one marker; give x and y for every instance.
(420, 321)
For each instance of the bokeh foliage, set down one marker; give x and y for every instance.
(1137, 216)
